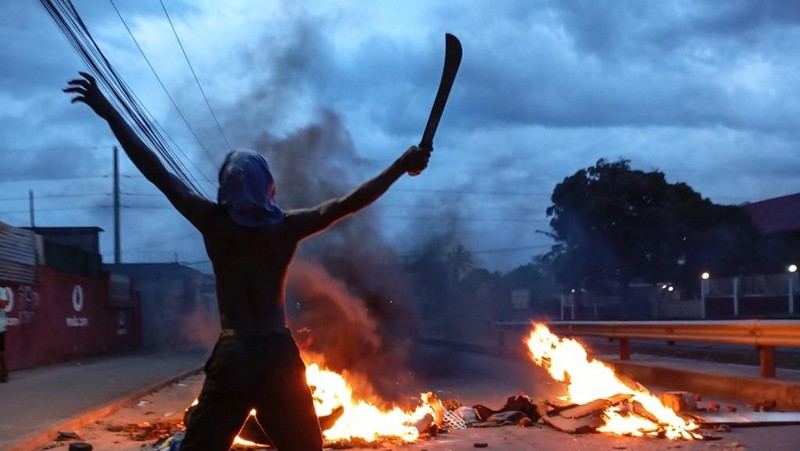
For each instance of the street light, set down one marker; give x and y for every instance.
(703, 291)
(792, 275)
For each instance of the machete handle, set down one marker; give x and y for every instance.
(416, 173)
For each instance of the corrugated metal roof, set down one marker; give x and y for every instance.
(17, 254)
(776, 215)
(14, 272)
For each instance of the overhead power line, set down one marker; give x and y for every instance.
(480, 193)
(171, 99)
(48, 178)
(125, 101)
(54, 196)
(92, 207)
(196, 79)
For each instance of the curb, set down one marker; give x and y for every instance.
(37, 440)
(751, 390)
(741, 388)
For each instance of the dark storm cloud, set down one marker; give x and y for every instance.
(605, 64)
(545, 88)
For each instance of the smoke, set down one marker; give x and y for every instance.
(200, 326)
(347, 297)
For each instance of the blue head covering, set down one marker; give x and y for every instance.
(247, 189)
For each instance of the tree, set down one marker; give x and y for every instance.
(614, 225)
(459, 262)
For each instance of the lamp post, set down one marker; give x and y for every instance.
(703, 292)
(792, 275)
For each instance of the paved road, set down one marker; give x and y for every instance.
(38, 399)
(488, 380)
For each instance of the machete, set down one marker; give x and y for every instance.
(452, 59)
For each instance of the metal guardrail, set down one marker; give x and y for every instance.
(763, 334)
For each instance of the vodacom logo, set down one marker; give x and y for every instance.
(77, 304)
(77, 298)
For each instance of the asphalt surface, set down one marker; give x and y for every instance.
(39, 402)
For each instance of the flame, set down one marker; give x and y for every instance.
(360, 419)
(588, 379)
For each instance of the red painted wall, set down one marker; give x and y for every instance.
(65, 317)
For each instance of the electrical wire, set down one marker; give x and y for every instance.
(196, 79)
(53, 196)
(49, 178)
(164, 87)
(120, 95)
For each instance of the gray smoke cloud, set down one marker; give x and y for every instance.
(347, 297)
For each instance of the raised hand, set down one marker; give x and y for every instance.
(415, 159)
(88, 93)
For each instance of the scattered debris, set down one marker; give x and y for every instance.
(171, 443)
(679, 401)
(593, 406)
(148, 431)
(67, 435)
(766, 406)
(587, 423)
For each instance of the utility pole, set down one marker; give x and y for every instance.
(117, 252)
(30, 208)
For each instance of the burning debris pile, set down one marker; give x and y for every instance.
(597, 399)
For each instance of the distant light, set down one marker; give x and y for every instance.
(664, 287)
(705, 276)
(792, 268)
(573, 290)
(671, 288)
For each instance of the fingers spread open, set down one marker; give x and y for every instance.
(75, 89)
(88, 76)
(78, 99)
(79, 82)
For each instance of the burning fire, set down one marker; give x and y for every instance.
(587, 380)
(360, 419)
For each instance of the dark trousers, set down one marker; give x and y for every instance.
(263, 373)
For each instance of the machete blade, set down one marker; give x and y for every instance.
(452, 60)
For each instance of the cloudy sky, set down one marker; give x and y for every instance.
(707, 92)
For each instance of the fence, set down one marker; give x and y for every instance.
(763, 334)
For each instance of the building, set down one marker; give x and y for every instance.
(60, 306)
(779, 220)
(178, 303)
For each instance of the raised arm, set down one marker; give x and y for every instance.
(190, 204)
(309, 221)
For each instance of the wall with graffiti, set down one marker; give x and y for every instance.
(65, 317)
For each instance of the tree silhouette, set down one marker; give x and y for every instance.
(459, 262)
(614, 225)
